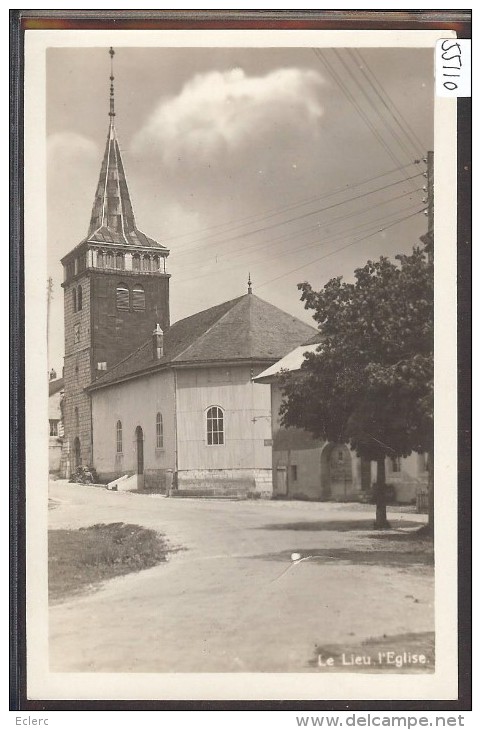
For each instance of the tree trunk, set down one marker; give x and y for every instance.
(381, 516)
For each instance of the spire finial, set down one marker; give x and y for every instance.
(249, 284)
(112, 101)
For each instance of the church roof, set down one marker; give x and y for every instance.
(243, 329)
(112, 219)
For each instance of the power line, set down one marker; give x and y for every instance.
(247, 249)
(376, 109)
(355, 104)
(362, 66)
(295, 250)
(272, 212)
(314, 261)
(306, 215)
(418, 144)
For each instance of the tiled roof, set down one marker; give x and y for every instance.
(112, 219)
(246, 328)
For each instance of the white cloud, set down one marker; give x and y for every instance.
(217, 112)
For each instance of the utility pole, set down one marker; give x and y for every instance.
(49, 299)
(428, 238)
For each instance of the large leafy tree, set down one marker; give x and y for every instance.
(370, 383)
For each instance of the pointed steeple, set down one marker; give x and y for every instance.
(112, 219)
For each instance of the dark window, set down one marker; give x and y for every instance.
(136, 262)
(395, 464)
(110, 260)
(79, 298)
(122, 296)
(146, 263)
(294, 472)
(156, 263)
(119, 437)
(159, 431)
(120, 261)
(100, 259)
(215, 426)
(138, 298)
(74, 299)
(53, 426)
(340, 455)
(77, 453)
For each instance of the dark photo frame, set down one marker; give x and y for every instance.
(23, 531)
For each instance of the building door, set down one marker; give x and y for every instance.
(139, 438)
(340, 469)
(77, 456)
(336, 472)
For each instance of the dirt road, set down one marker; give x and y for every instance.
(231, 599)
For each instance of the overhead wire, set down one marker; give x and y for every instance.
(347, 92)
(395, 134)
(342, 248)
(272, 212)
(296, 250)
(293, 236)
(310, 213)
(388, 101)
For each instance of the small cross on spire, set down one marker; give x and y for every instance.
(112, 100)
(249, 284)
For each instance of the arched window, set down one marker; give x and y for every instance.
(138, 297)
(136, 262)
(159, 431)
(74, 299)
(122, 296)
(100, 259)
(156, 263)
(79, 298)
(110, 260)
(119, 436)
(77, 420)
(146, 263)
(120, 261)
(215, 426)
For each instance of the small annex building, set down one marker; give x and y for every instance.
(185, 402)
(55, 422)
(304, 467)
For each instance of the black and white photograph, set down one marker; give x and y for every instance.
(236, 267)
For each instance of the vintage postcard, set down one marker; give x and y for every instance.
(240, 273)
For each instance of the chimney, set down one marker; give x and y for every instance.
(158, 343)
(53, 374)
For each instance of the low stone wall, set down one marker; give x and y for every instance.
(233, 483)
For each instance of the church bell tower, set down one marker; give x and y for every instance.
(116, 290)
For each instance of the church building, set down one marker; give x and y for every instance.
(144, 398)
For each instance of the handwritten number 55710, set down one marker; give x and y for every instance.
(448, 46)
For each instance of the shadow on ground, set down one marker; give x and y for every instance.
(336, 525)
(398, 654)
(397, 558)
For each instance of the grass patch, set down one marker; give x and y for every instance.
(84, 558)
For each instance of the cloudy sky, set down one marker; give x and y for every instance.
(293, 164)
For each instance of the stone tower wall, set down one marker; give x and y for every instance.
(77, 370)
